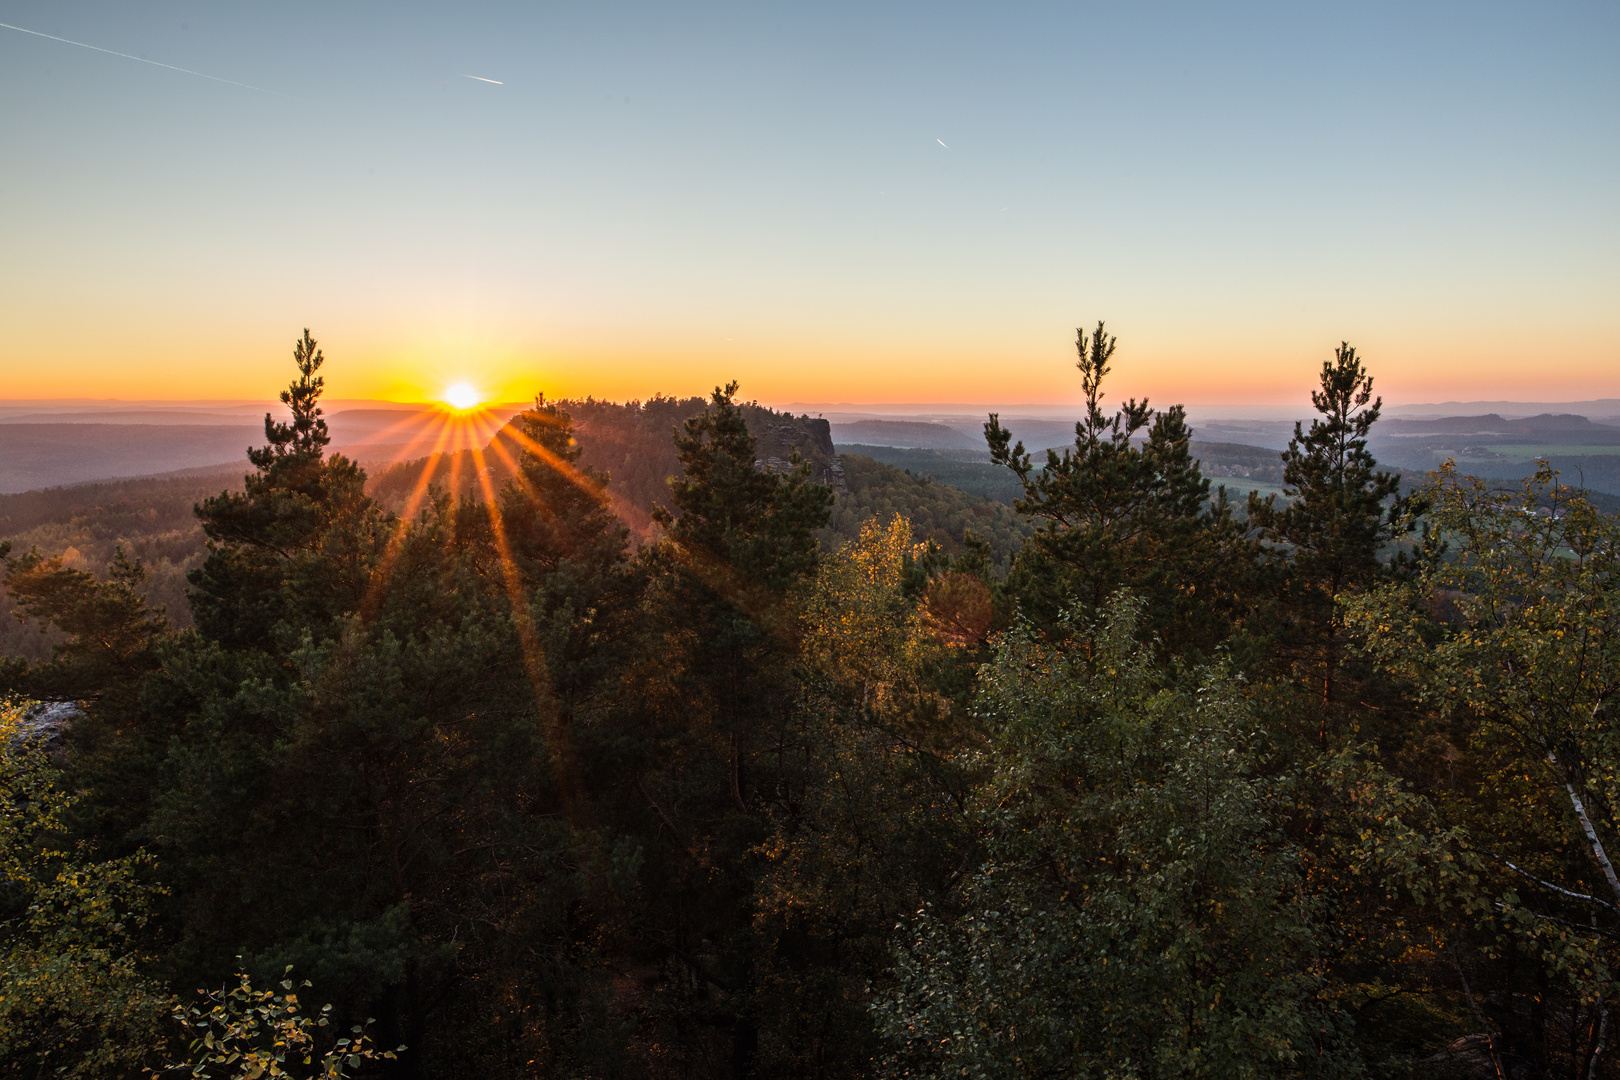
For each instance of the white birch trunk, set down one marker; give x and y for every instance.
(1586, 826)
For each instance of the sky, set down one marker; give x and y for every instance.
(827, 202)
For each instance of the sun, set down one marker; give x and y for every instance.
(462, 396)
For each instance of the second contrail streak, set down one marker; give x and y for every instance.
(144, 60)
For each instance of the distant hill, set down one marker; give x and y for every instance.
(1502, 448)
(1594, 409)
(151, 518)
(1036, 435)
(943, 491)
(904, 433)
(971, 470)
(38, 455)
(1220, 460)
(633, 443)
(39, 450)
(1596, 472)
(1553, 427)
(1271, 434)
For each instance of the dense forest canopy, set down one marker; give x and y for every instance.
(663, 740)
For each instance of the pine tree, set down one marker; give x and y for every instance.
(1119, 510)
(301, 520)
(716, 688)
(556, 510)
(304, 439)
(1341, 515)
(756, 522)
(112, 636)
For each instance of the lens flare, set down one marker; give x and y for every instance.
(462, 396)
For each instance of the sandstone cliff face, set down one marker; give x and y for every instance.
(779, 434)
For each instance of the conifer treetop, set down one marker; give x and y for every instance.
(306, 435)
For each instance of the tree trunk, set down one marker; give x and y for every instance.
(1586, 826)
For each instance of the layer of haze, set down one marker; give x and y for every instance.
(830, 202)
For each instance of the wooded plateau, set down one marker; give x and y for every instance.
(664, 739)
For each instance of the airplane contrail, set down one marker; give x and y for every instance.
(942, 143)
(480, 78)
(144, 60)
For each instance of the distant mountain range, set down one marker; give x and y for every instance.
(47, 444)
(911, 434)
(43, 449)
(1603, 410)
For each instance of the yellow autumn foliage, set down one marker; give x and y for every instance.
(861, 630)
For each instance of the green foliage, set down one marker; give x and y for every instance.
(86, 525)
(1341, 515)
(712, 740)
(1534, 645)
(109, 646)
(1514, 643)
(362, 762)
(754, 521)
(245, 1034)
(1117, 511)
(868, 823)
(937, 511)
(1139, 911)
(750, 801)
(108, 636)
(75, 999)
(965, 470)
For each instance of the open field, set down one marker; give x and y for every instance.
(1531, 453)
(1238, 488)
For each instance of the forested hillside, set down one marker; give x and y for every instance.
(794, 779)
(938, 513)
(967, 470)
(1241, 468)
(149, 519)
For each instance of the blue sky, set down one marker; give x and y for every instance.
(831, 202)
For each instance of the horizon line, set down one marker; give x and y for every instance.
(1261, 407)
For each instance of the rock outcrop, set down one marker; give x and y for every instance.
(780, 434)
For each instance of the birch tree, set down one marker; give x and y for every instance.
(1515, 642)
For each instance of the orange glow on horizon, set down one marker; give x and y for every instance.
(997, 365)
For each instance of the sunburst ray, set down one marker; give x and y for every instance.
(565, 771)
(562, 466)
(396, 540)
